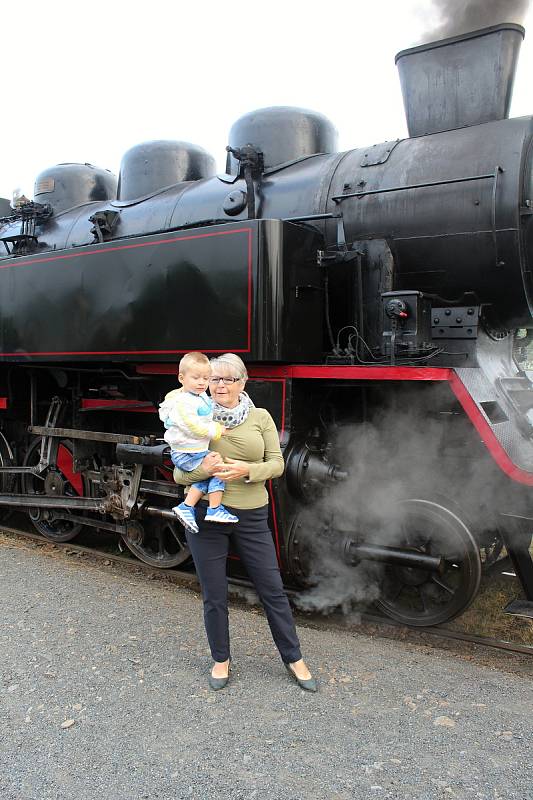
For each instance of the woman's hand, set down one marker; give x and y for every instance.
(212, 462)
(232, 470)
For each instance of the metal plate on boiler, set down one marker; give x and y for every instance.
(378, 153)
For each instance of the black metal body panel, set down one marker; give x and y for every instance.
(449, 205)
(229, 288)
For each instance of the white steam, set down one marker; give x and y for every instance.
(455, 17)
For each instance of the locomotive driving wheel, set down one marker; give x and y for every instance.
(57, 480)
(158, 542)
(426, 563)
(420, 597)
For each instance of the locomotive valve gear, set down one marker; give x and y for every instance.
(129, 482)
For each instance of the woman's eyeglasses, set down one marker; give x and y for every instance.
(226, 381)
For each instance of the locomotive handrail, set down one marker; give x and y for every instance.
(311, 216)
(497, 171)
(339, 197)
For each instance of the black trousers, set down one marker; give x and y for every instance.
(252, 540)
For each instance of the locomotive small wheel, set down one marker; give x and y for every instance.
(158, 542)
(421, 597)
(59, 480)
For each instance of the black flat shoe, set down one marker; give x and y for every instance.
(219, 683)
(310, 685)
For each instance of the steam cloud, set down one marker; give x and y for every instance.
(390, 460)
(461, 16)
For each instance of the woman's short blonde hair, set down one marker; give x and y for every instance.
(235, 364)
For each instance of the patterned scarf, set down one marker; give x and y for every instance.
(231, 417)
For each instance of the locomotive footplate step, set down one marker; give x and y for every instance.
(519, 608)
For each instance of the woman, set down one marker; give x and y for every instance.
(251, 455)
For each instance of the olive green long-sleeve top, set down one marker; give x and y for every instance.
(255, 441)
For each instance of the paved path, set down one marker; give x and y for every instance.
(103, 695)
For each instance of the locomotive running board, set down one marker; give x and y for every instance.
(94, 436)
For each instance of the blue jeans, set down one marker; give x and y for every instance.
(189, 461)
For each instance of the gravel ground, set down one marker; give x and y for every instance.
(103, 694)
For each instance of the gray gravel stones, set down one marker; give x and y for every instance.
(103, 694)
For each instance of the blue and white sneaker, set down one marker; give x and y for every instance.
(186, 516)
(220, 514)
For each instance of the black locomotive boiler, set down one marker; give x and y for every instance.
(381, 298)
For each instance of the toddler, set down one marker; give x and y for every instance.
(187, 414)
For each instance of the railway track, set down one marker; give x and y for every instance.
(185, 578)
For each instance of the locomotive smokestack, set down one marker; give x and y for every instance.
(461, 81)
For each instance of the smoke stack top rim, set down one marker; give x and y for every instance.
(504, 26)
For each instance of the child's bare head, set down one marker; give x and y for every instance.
(193, 372)
(194, 359)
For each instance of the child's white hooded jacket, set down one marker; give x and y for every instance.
(188, 418)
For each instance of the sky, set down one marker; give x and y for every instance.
(84, 81)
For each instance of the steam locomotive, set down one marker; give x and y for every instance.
(381, 298)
